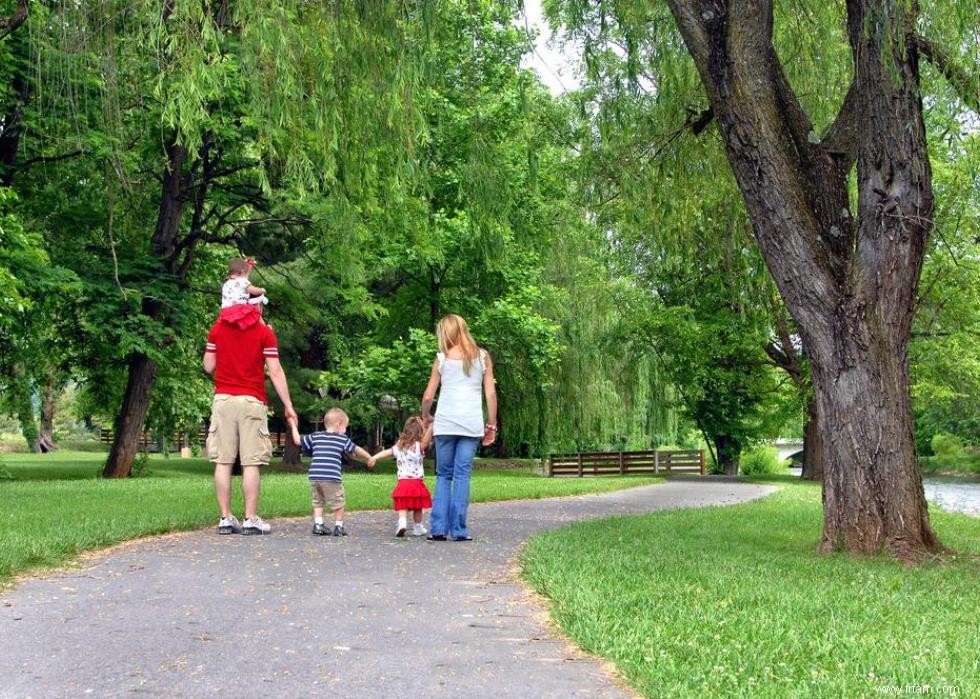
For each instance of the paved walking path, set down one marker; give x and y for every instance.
(293, 615)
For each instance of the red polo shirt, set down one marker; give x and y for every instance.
(240, 358)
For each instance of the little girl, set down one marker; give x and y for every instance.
(238, 289)
(239, 299)
(410, 493)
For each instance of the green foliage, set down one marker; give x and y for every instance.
(946, 445)
(944, 353)
(734, 601)
(488, 229)
(760, 460)
(382, 373)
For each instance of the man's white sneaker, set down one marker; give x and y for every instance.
(419, 530)
(255, 525)
(229, 525)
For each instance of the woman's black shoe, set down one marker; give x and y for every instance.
(436, 537)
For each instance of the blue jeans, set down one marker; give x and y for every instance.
(454, 462)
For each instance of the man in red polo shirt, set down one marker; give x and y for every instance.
(237, 354)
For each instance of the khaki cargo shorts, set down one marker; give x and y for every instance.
(328, 494)
(239, 427)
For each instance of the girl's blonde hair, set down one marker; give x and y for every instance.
(412, 432)
(452, 331)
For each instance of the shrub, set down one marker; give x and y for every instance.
(946, 445)
(760, 459)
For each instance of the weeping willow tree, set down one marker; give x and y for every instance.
(812, 102)
(490, 228)
(223, 104)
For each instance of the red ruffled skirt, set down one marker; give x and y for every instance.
(411, 494)
(241, 314)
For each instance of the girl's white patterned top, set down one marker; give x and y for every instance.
(409, 461)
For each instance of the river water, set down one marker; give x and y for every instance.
(951, 494)
(954, 494)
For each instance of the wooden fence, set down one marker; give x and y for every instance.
(621, 463)
(147, 442)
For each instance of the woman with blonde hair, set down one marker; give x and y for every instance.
(465, 373)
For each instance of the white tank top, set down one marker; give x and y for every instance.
(459, 411)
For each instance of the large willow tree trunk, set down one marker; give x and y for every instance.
(142, 370)
(849, 282)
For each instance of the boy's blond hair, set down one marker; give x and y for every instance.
(335, 417)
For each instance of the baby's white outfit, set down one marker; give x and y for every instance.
(235, 292)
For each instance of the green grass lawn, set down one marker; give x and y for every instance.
(54, 506)
(735, 601)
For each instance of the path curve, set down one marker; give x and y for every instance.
(293, 615)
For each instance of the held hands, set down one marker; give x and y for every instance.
(292, 420)
(371, 462)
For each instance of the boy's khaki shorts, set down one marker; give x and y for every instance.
(239, 427)
(328, 493)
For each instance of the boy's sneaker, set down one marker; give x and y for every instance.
(419, 530)
(255, 525)
(400, 530)
(229, 525)
(320, 530)
(338, 530)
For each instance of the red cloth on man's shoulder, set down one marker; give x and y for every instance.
(240, 355)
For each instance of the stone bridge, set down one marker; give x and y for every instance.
(789, 448)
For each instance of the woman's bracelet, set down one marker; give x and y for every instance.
(492, 428)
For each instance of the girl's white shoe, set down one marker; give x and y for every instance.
(419, 530)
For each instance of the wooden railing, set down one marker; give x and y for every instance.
(621, 463)
(147, 442)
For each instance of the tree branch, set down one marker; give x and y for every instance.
(841, 137)
(965, 87)
(49, 158)
(9, 24)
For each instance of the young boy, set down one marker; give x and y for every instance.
(328, 448)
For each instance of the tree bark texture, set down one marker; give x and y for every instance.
(16, 19)
(849, 283)
(727, 451)
(142, 374)
(45, 437)
(291, 456)
(812, 444)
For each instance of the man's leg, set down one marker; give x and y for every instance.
(222, 449)
(222, 488)
(251, 479)
(255, 448)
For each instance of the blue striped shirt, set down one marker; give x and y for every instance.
(328, 449)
